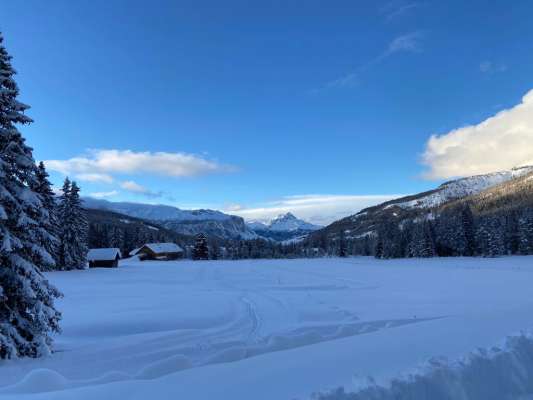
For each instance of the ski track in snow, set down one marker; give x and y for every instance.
(146, 321)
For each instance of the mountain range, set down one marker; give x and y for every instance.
(500, 197)
(184, 222)
(210, 222)
(479, 191)
(284, 227)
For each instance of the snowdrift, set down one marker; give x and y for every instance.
(500, 373)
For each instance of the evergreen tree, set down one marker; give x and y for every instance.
(490, 237)
(215, 252)
(200, 251)
(468, 231)
(80, 225)
(74, 228)
(378, 250)
(44, 188)
(525, 229)
(422, 243)
(27, 313)
(343, 251)
(115, 238)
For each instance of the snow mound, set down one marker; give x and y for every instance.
(164, 367)
(499, 373)
(43, 380)
(40, 380)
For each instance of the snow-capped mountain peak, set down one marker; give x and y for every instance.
(288, 222)
(186, 222)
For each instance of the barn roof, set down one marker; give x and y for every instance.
(164, 247)
(103, 254)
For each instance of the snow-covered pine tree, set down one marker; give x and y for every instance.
(49, 224)
(422, 242)
(81, 227)
(115, 237)
(468, 232)
(490, 237)
(74, 228)
(65, 260)
(200, 251)
(27, 313)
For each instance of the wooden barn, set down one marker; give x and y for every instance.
(159, 251)
(103, 258)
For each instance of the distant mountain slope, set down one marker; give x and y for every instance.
(461, 187)
(497, 201)
(230, 228)
(366, 221)
(185, 222)
(111, 229)
(282, 228)
(510, 196)
(155, 212)
(289, 222)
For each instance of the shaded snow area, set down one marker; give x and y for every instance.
(328, 329)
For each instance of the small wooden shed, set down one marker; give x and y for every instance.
(103, 258)
(159, 251)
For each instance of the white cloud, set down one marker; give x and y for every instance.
(502, 141)
(91, 177)
(101, 195)
(316, 208)
(409, 42)
(134, 187)
(488, 67)
(394, 9)
(106, 162)
(233, 207)
(347, 81)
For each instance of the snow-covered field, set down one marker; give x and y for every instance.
(269, 330)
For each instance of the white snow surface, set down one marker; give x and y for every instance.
(285, 329)
(103, 254)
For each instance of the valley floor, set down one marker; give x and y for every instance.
(282, 329)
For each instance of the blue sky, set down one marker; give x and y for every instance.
(315, 107)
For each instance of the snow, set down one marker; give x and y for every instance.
(257, 225)
(288, 223)
(103, 254)
(285, 329)
(158, 212)
(164, 247)
(135, 251)
(282, 223)
(464, 187)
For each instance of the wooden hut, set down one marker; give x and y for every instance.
(103, 258)
(159, 251)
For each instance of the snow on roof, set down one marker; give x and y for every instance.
(135, 251)
(103, 254)
(164, 247)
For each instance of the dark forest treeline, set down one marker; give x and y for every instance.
(497, 221)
